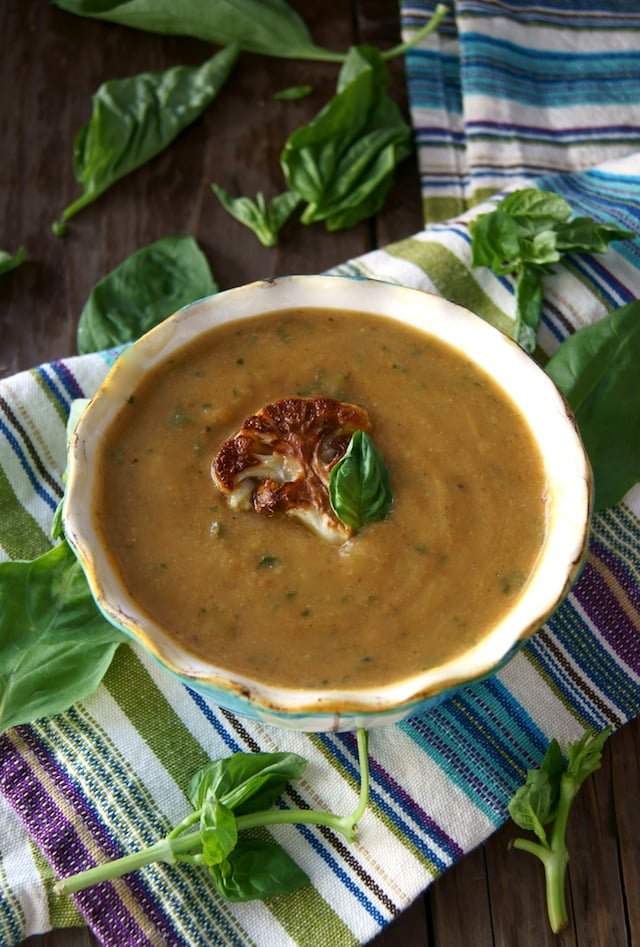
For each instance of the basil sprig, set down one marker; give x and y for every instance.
(230, 796)
(266, 219)
(542, 806)
(530, 230)
(136, 118)
(360, 485)
(340, 166)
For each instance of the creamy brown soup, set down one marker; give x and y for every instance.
(264, 597)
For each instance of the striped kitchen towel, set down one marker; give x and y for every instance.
(505, 92)
(110, 774)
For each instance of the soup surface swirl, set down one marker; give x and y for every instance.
(265, 598)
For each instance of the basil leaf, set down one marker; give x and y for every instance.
(535, 803)
(597, 369)
(270, 27)
(360, 485)
(55, 646)
(554, 764)
(532, 805)
(218, 831)
(528, 306)
(496, 242)
(525, 234)
(144, 289)
(540, 250)
(342, 163)
(582, 234)
(257, 869)
(10, 261)
(134, 119)
(245, 783)
(534, 209)
(266, 220)
(585, 755)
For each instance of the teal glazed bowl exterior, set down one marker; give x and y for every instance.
(568, 480)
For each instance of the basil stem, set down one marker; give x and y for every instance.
(229, 797)
(11, 261)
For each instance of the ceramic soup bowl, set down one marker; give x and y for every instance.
(311, 706)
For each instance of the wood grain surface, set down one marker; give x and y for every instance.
(51, 65)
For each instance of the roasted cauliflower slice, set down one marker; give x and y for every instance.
(281, 459)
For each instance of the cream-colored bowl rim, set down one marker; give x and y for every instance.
(569, 483)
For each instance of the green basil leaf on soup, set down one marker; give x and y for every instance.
(360, 484)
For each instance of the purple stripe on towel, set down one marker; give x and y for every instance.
(67, 378)
(618, 626)
(55, 834)
(419, 815)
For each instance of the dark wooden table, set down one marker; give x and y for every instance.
(51, 65)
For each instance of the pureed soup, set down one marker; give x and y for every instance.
(266, 598)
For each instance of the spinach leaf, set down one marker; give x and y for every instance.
(360, 485)
(134, 119)
(266, 220)
(257, 869)
(10, 261)
(55, 646)
(597, 370)
(342, 163)
(270, 27)
(528, 231)
(144, 289)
